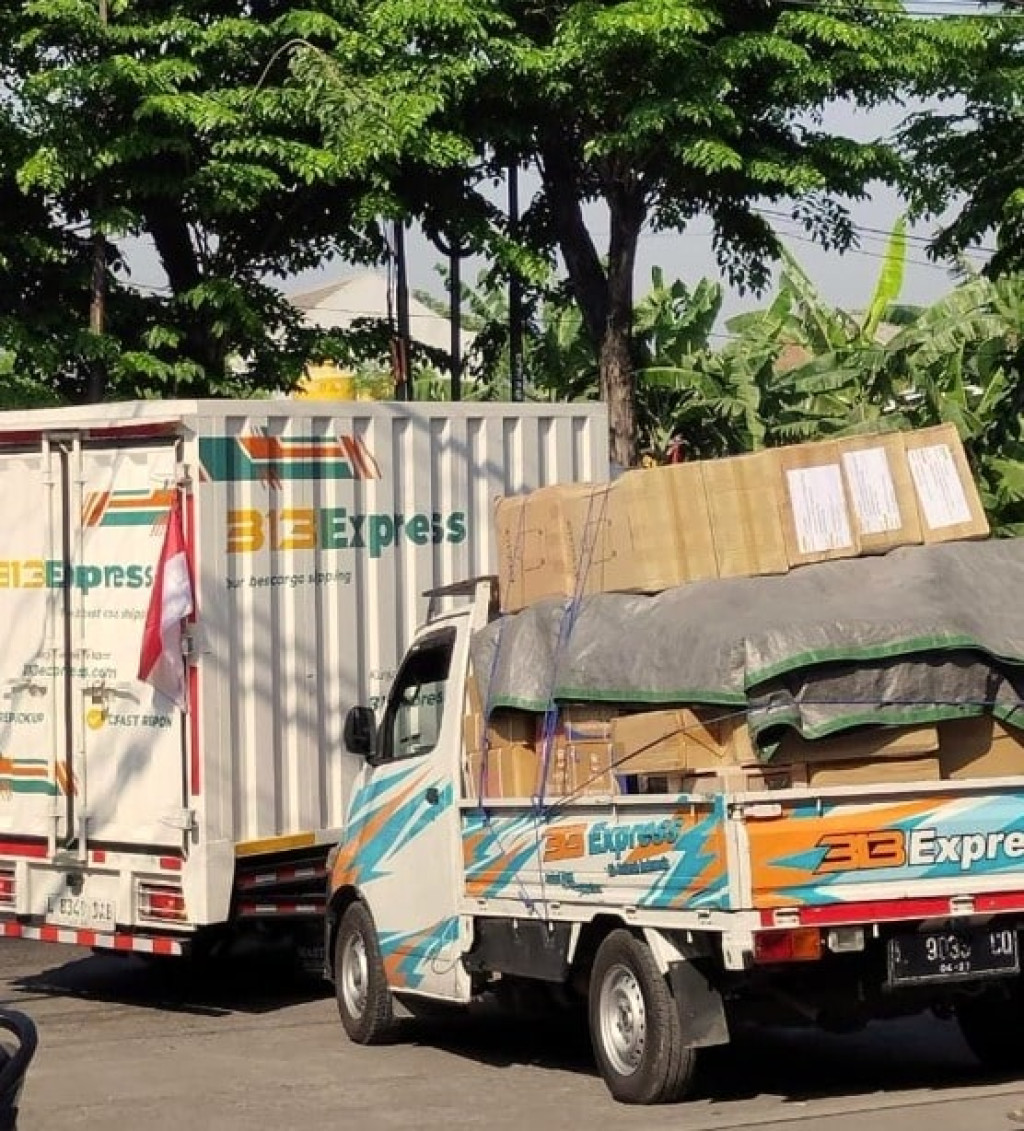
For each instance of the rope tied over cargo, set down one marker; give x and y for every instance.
(570, 614)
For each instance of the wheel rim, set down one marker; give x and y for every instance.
(623, 1020)
(354, 975)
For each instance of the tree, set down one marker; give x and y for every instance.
(164, 120)
(969, 154)
(43, 275)
(656, 110)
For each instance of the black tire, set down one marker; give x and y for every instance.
(634, 1025)
(360, 984)
(992, 1024)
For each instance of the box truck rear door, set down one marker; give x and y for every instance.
(87, 752)
(128, 740)
(34, 739)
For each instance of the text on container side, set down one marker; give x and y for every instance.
(48, 573)
(336, 528)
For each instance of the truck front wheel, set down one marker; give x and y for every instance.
(634, 1025)
(364, 1000)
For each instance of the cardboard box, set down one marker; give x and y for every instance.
(863, 743)
(684, 486)
(817, 522)
(579, 761)
(505, 728)
(637, 548)
(540, 541)
(582, 722)
(507, 771)
(743, 507)
(980, 748)
(582, 769)
(948, 502)
(880, 488)
(874, 771)
(474, 697)
(679, 740)
(733, 779)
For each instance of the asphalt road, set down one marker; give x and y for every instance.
(138, 1048)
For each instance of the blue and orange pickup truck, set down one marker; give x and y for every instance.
(671, 915)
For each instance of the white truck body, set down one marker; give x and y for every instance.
(313, 530)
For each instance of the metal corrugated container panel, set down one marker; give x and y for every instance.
(318, 528)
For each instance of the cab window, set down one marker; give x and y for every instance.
(412, 724)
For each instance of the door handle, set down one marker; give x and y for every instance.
(433, 795)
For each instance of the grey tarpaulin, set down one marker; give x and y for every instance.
(924, 632)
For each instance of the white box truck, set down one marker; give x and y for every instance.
(312, 531)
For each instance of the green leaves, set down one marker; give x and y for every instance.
(967, 156)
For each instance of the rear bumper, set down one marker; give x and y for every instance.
(117, 941)
(101, 902)
(858, 912)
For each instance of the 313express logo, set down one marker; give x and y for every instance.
(917, 848)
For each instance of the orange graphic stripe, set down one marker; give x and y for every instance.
(344, 865)
(94, 506)
(772, 843)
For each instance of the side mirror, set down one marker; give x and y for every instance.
(361, 731)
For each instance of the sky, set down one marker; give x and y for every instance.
(844, 280)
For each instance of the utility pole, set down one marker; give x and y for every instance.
(403, 378)
(454, 249)
(98, 281)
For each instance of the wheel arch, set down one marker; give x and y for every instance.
(337, 905)
(591, 935)
(685, 966)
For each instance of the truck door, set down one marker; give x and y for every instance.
(402, 844)
(130, 738)
(87, 753)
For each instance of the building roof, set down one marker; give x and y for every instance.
(337, 304)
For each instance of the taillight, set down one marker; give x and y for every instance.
(802, 944)
(161, 902)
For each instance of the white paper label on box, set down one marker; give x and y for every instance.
(819, 509)
(872, 491)
(939, 490)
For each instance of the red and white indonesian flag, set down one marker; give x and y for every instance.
(161, 662)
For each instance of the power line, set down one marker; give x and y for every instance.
(865, 229)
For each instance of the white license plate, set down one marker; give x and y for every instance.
(83, 911)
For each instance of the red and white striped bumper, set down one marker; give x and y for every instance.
(138, 944)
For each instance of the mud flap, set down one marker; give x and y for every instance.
(701, 1012)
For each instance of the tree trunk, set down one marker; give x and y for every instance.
(605, 296)
(181, 264)
(615, 362)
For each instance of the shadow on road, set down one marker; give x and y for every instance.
(796, 1066)
(802, 1065)
(556, 1042)
(210, 989)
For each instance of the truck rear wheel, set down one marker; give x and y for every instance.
(992, 1024)
(364, 1000)
(634, 1025)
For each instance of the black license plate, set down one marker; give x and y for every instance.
(949, 956)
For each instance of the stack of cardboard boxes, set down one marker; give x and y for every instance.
(751, 515)
(744, 516)
(596, 751)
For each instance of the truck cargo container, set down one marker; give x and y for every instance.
(311, 530)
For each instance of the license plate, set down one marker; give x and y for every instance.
(82, 911)
(949, 956)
